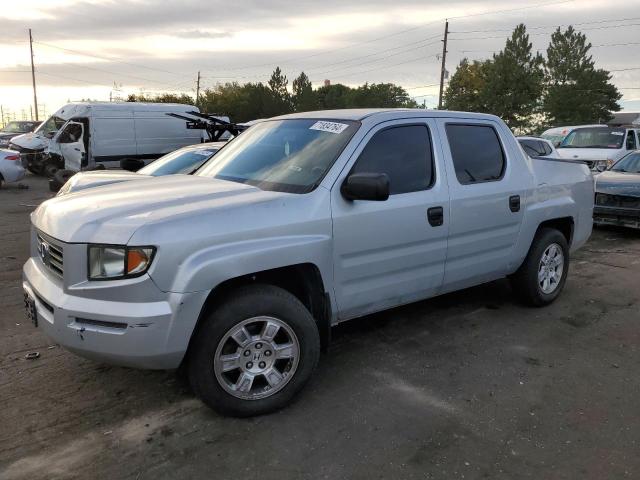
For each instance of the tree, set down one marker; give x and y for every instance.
(162, 98)
(514, 82)
(380, 95)
(333, 96)
(576, 92)
(279, 101)
(466, 86)
(303, 98)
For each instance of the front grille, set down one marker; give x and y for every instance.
(619, 201)
(51, 254)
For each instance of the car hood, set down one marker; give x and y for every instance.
(587, 153)
(7, 135)
(111, 214)
(84, 180)
(618, 183)
(31, 141)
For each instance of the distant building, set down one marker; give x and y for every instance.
(624, 118)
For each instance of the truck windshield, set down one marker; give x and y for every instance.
(628, 164)
(183, 161)
(597, 137)
(51, 126)
(290, 155)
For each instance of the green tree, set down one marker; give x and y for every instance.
(304, 98)
(465, 87)
(514, 82)
(162, 98)
(279, 100)
(576, 92)
(380, 95)
(333, 96)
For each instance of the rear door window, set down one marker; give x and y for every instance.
(404, 154)
(476, 152)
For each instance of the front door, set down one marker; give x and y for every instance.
(72, 149)
(388, 253)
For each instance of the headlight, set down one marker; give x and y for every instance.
(114, 262)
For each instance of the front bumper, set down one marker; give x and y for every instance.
(623, 217)
(152, 335)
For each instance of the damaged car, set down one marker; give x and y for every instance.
(618, 193)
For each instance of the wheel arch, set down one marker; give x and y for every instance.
(303, 280)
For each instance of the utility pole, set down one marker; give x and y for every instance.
(444, 60)
(1, 115)
(33, 76)
(198, 89)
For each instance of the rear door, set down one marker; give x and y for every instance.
(486, 190)
(387, 253)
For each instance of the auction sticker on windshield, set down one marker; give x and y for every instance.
(331, 127)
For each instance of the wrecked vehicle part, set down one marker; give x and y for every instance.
(617, 199)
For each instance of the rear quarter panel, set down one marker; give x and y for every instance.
(561, 190)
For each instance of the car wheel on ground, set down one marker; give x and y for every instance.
(50, 169)
(542, 276)
(254, 352)
(131, 164)
(59, 179)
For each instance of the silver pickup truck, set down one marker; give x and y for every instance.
(238, 272)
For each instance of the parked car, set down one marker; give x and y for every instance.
(11, 169)
(618, 193)
(537, 147)
(301, 222)
(84, 135)
(184, 161)
(557, 134)
(599, 147)
(13, 129)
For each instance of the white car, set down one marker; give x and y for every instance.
(557, 134)
(11, 169)
(538, 147)
(599, 147)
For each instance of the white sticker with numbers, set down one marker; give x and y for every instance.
(331, 127)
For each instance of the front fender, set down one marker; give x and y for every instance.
(209, 267)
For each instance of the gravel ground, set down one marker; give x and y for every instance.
(469, 385)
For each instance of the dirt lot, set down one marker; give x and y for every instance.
(469, 385)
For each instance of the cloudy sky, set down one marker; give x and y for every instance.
(94, 48)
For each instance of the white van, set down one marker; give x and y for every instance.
(84, 135)
(557, 134)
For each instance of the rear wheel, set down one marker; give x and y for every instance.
(254, 352)
(542, 276)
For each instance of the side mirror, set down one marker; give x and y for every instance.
(366, 186)
(601, 167)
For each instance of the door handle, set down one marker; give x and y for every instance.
(77, 149)
(514, 203)
(435, 215)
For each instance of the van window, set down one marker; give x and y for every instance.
(71, 134)
(631, 140)
(404, 154)
(476, 152)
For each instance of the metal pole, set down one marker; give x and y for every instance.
(444, 60)
(198, 89)
(33, 76)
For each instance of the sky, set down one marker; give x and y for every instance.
(97, 49)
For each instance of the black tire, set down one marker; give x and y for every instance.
(131, 164)
(525, 281)
(50, 169)
(248, 302)
(36, 170)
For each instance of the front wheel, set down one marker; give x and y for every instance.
(254, 352)
(542, 276)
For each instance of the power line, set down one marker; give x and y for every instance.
(552, 26)
(110, 59)
(545, 33)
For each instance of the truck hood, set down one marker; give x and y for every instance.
(587, 153)
(618, 183)
(31, 141)
(84, 180)
(111, 214)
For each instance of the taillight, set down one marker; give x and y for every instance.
(12, 157)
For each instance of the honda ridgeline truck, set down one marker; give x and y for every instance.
(238, 272)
